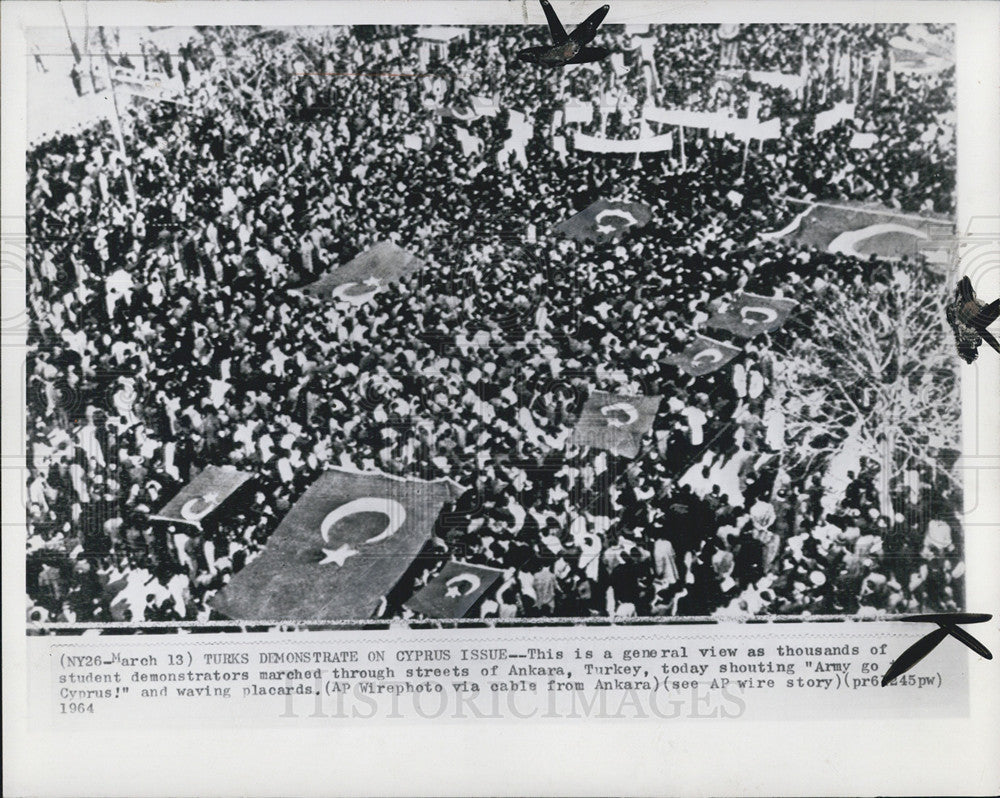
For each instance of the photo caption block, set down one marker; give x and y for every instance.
(773, 671)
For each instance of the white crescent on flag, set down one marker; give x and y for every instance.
(471, 580)
(631, 414)
(620, 213)
(390, 508)
(711, 355)
(188, 513)
(357, 298)
(846, 243)
(769, 314)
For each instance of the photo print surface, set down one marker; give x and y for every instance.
(384, 322)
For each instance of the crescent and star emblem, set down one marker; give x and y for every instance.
(631, 414)
(188, 513)
(620, 213)
(454, 591)
(390, 508)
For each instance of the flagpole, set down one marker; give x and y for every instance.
(824, 78)
(876, 63)
(806, 75)
(120, 135)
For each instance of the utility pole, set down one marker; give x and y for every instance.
(87, 50)
(72, 43)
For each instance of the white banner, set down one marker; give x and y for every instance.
(717, 122)
(681, 116)
(595, 144)
(781, 80)
(578, 112)
(827, 119)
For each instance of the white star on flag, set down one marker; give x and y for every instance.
(338, 556)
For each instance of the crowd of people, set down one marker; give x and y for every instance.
(164, 336)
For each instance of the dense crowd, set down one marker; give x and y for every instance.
(164, 338)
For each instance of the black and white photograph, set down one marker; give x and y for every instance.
(581, 320)
(500, 397)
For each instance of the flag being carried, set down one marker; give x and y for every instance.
(342, 547)
(703, 356)
(360, 279)
(615, 423)
(475, 107)
(455, 591)
(751, 314)
(203, 496)
(604, 220)
(863, 230)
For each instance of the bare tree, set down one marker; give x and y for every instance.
(876, 363)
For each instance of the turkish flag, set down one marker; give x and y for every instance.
(342, 547)
(703, 356)
(751, 314)
(202, 496)
(361, 278)
(455, 591)
(615, 422)
(605, 220)
(864, 230)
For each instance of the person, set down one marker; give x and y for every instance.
(544, 583)
(509, 604)
(474, 367)
(664, 559)
(625, 586)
